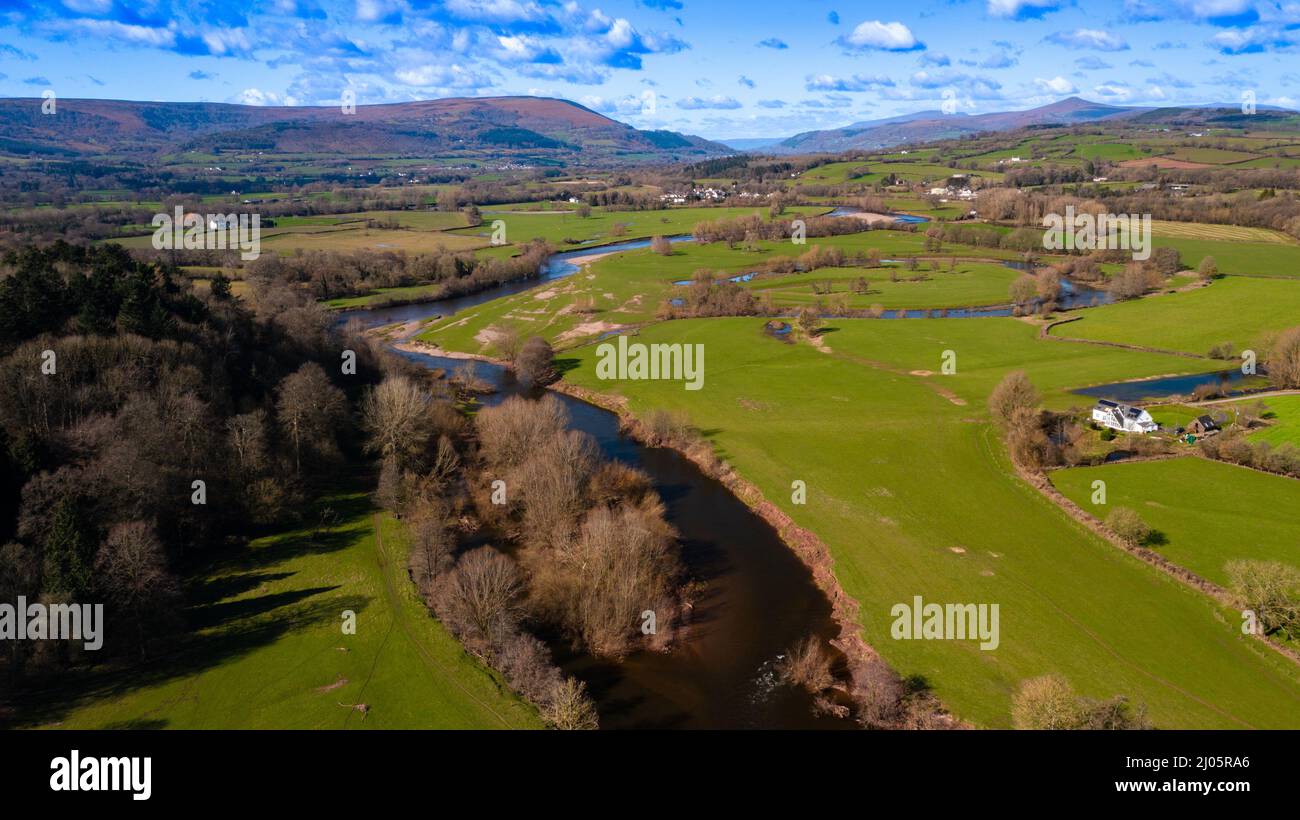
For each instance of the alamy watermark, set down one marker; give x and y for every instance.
(53, 622)
(1098, 232)
(75, 773)
(638, 361)
(210, 232)
(951, 622)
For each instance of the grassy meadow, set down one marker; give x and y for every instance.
(852, 423)
(268, 651)
(1205, 513)
(1234, 309)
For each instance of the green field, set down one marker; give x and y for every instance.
(267, 648)
(970, 284)
(1233, 309)
(1209, 512)
(857, 427)
(628, 287)
(1271, 258)
(1283, 420)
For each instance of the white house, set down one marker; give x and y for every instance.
(1123, 417)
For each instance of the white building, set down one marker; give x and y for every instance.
(1124, 418)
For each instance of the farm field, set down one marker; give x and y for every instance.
(1233, 309)
(1219, 233)
(1283, 419)
(1206, 512)
(970, 284)
(268, 649)
(852, 422)
(1271, 259)
(628, 287)
(1212, 156)
(420, 232)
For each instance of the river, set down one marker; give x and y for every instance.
(760, 599)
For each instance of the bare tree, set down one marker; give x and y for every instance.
(1048, 702)
(1284, 360)
(131, 568)
(568, 707)
(310, 409)
(807, 664)
(1272, 590)
(480, 598)
(396, 415)
(514, 429)
(535, 363)
(1014, 392)
(1128, 525)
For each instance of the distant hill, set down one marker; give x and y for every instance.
(928, 126)
(495, 126)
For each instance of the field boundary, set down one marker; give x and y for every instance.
(1039, 481)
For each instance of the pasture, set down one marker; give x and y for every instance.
(1235, 310)
(1205, 513)
(964, 529)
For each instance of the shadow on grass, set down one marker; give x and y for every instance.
(198, 653)
(1155, 538)
(563, 366)
(222, 630)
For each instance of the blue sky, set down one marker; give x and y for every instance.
(711, 67)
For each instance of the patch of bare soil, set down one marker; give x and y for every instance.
(587, 329)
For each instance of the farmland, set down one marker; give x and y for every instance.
(1205, 513)
(896, 532)
(1235, 310)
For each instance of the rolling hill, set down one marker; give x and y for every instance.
(927, 126)
(501, 126)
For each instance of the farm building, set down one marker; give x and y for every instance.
(1123, 417)
(1202, 425)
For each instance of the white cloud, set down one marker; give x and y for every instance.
(858, 82)
(1021, 8)
(1056, 85)
(256, 96)
(874, 34)
(698, 103)
(1092, 38)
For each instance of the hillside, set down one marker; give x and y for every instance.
(510, 126)
(926, 126)
(929, 126)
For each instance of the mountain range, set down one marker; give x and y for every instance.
(540, 130)
(927, 126)
(502, 127)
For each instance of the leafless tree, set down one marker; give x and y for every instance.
(568, 706)
(535, 363)
(310, 409)
(1272, 590)
(480, 598)
(514, 429)
(1014, 392)
(396, 415)
(1284, 360)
